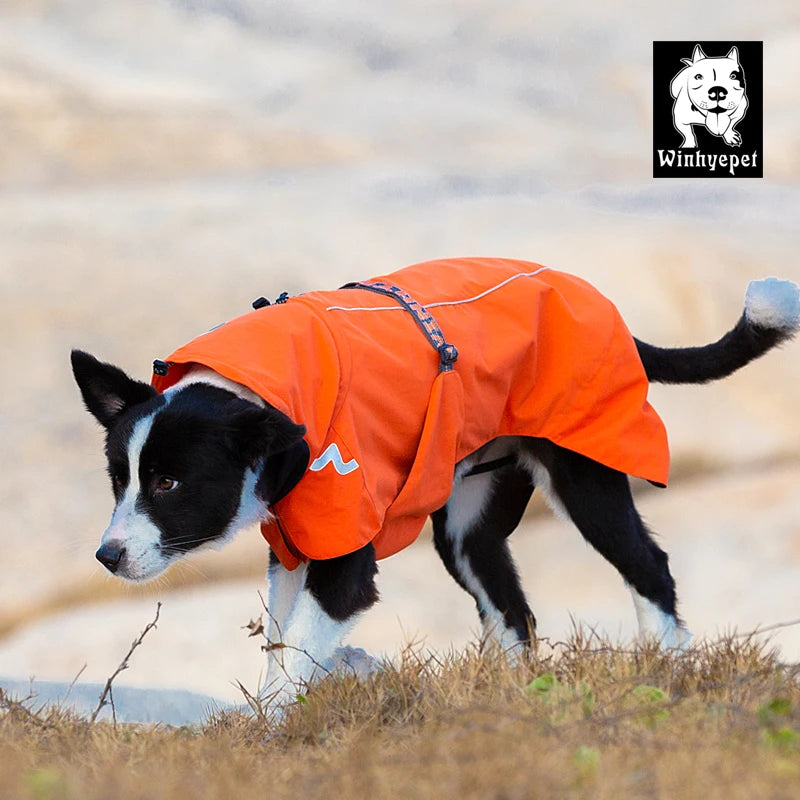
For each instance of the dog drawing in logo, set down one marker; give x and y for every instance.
(709, 92)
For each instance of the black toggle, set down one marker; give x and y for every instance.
(260, 302)
(448, 353)
(282, 298)
(160, 367)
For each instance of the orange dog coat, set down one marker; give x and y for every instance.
(540, 353)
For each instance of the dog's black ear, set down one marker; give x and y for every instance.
(269, 436)
(261, 431)
(107, 391)
(282, 471)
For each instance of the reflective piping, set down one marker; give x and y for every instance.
(445, 302)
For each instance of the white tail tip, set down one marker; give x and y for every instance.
(773, 303)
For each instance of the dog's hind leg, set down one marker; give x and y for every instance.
(470, 533)
(598, 500)
(329, 596)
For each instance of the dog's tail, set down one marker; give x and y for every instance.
(771, 316)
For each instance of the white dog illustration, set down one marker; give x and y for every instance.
(710, 92)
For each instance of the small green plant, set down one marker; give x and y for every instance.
(552, 693)
(588, 699)
(542, 686)
(44, 783)
(777, 707)
(783, 738)
(650, 697)
(776, 733)
(548, 689)
(586, 759)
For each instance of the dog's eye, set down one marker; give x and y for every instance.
(698, 77)
(166, 484)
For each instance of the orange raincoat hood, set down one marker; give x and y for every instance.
(540, 353)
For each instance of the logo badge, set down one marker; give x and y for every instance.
(331, 455)
(708, 110)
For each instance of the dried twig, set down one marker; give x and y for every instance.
(253, 702)
(271, 616)
(71, 686)
(8, 703)
(123, 666)
(766, 628)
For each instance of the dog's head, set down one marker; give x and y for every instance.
(714, 85)
(188, 468)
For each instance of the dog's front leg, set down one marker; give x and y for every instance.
(329, 596)
(732, 136)
(309, 638)
(284, 588)
(685, 129)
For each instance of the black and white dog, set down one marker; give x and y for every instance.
(195, 465)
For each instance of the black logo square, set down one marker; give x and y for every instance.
(708, 109)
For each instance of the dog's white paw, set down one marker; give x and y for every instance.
(773, 303)
(673, 637)
(352, 661)
(732, 138)
(678, 638)
(669, 635)
(655, 623)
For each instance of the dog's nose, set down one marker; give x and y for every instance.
(110, 555)
(717, 93)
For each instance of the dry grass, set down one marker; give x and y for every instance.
(580, 719)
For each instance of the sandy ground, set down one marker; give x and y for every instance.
(153, 185)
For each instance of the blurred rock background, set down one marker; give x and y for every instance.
(163, 163)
